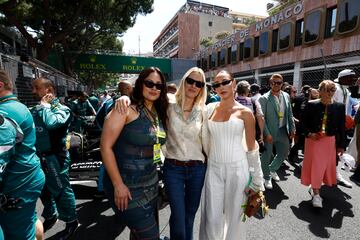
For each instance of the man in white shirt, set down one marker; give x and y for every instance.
(104, 97)
(346, 78)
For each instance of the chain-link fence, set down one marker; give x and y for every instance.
(23, 73)
(316, 70)
(311, 72)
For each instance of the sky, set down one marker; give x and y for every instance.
(148, 27)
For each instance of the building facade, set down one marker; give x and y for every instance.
(180, 38)
(306, 42)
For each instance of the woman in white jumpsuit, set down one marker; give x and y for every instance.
(233, 172)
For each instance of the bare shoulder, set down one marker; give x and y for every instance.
(243, 112)
(116, 115)
(241, 108)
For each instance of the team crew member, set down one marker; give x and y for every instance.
(52, 121)
(81, 109)
(22, 178)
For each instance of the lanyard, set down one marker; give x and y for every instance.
(278, 106)
(154, 121)
(157, 145)
(324, 120)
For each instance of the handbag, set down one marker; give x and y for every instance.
(256, 202)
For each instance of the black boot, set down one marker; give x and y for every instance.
(69, 230)
(49, 223)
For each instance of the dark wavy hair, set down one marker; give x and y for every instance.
(226, 72)
(160, 104)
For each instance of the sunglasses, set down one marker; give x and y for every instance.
(191, 81)
(224, 83)
(277, 83)
(150, 84)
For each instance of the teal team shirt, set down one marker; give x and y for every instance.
(24, 176)
(8, 136)
(52, 122)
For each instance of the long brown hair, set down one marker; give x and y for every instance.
(161, 104)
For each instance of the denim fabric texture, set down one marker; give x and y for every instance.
(134, 157)
(183, 185)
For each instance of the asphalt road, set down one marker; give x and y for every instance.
(291, 213)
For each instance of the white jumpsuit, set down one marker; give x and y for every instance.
(226, 178)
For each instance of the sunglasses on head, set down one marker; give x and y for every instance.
(277, 83)
(191, 81)
(150, 84)
(224, 83)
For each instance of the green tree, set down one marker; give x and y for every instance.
(94, 80)
(75, 45)
(250, 21)
(67, 22)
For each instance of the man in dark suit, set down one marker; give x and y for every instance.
(299, 104)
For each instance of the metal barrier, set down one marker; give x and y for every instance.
(23, 73)
(310, 72)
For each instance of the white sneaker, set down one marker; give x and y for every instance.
(268, 184)
(342, 181)
(317, 201)
(274, 176)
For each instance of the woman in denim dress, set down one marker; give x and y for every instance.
(130, 147)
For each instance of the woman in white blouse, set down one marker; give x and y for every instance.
(184, 167)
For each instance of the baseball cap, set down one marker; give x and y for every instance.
(344, 73)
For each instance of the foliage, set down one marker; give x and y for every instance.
(281, 5)
(206, 42)
(72, 24)
(249, 21)
(95, 80)
(222, 35)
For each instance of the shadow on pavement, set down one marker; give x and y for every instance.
(83, 192)
(283, 172)
(275, 196)
(296, 171)
(93, 223)
(335, 208)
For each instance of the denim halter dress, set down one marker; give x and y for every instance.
(134, 156)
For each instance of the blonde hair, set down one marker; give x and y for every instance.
(180, 93)
(4, 78)
(276, 75)
(325, 83)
